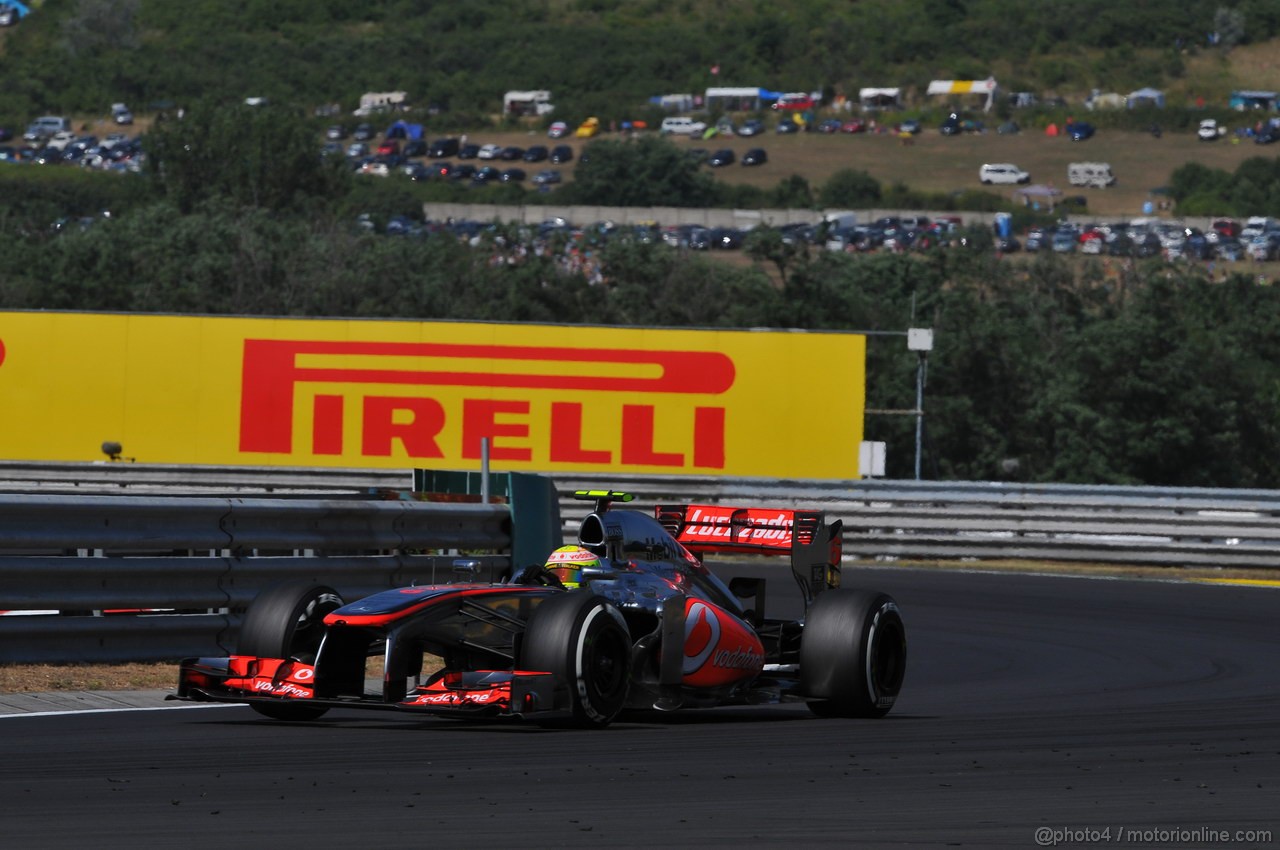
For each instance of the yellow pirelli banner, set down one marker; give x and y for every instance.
(398, 394)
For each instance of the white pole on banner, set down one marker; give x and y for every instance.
(484, 470)
(920, 340)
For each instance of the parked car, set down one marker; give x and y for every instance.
(588, 128)
(1210, 131)
(536, 153)
(910, 125)
(442, 148)
(60, 140)
(755, 156)
(1078, 131)
(682, 126)
(547, 177)
(121, 114)
(415, 147)
(1094, 174)
(795, 102)
(1002, 173)
(45, 126)
(513, 175)
(335, 132)
(489, 151)
(462, 171)
(1229, 250)
(511, 153)
(853, 125)
(469, 151)
(1263, 247)
(557, 130)
(1270, 133)
(363, 132)
(830, 125)
(787, 125)
(722, 157)
(751, 127)
(486, 174)
(1064, 242)
(561, 154)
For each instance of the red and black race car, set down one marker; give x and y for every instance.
(643, 624)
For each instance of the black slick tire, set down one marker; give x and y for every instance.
(583, 641)
(853, 655)
(287, 621)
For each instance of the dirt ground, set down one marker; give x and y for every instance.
(933, 162)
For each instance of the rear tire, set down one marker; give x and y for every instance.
(584, 642)
(853, 655)
(287, 621)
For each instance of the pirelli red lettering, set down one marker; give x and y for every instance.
(272, 375)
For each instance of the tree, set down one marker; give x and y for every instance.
(850, 188)
(256, 156)
(1228, 26)
(646, 171)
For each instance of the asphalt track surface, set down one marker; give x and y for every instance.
(1136, 713)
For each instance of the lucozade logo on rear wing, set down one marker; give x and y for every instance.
(274, 371)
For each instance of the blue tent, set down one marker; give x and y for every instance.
(1242, 100)
(1146, 97)
(404, 130)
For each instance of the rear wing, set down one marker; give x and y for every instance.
(814, 546)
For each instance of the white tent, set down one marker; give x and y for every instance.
(746, 99)
(879, 98)
(536, 102)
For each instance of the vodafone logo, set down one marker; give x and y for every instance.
(701, 636)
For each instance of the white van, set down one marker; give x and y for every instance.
(46, 126)
(1002, 172)
(1095, 174)
(680, 126)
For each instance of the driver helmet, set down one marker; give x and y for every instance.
(568, 562)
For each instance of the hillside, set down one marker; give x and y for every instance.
(608, 58)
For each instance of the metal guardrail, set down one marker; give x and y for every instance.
(183, 569)
(211, 554)
(893, 521)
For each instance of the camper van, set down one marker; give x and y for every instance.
(1094, 174)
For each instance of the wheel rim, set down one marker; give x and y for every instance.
(309, 630)
(886, 661)
(604, 665)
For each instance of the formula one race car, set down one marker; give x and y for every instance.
(628, 619)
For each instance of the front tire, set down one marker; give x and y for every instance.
(287, 621)
(583, 641)
(853, 655)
